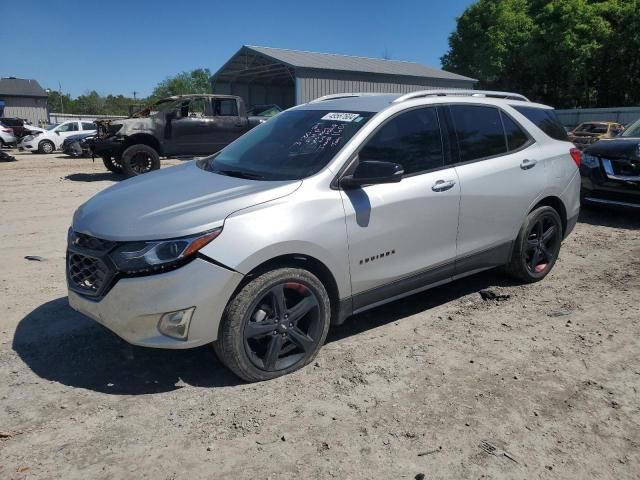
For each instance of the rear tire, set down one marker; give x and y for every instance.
(537, 247)
(274, 325)
(112, 164)
(139, 159)
(46, 146)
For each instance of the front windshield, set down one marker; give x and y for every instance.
(51, 127)
(290, 146)
(633, 130)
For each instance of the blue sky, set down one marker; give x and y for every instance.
(117, 46)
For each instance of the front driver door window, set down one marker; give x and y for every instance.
(402, 236)
(65, 130)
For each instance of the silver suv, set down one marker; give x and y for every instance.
(326, 210)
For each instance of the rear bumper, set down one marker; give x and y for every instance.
(133, 307)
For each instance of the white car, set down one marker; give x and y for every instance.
(51, 139)
(6, 135)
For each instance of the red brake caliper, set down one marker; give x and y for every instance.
(298, 287)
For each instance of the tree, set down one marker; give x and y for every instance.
(58, 103)
(196, 81)
(569, 53)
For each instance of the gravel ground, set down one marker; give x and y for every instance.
(549, 374)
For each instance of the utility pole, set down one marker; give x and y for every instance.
(60, 91)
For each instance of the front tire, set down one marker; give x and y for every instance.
(46, 146)
(537, 247)
(112, 164)
(274, 325)
(139, 159)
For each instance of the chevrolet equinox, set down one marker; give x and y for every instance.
(326, 210)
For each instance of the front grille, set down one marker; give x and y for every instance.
(626, 168)
(90, 271)
(87, 275)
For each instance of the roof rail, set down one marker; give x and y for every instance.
(335, 96)
(461, 93)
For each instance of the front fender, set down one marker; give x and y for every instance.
(297, 224)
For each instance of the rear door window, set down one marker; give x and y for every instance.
(226, 107)
(479, 131)
(545, 119)
(88, 126)
(411, 139)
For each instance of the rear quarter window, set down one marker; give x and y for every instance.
(545, 119)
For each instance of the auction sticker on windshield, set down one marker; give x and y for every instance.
(341, 116)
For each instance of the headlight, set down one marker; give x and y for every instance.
(146, 257)
(590, 161)
(28, 138)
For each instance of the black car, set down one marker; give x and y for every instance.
(77, 146)
(611, 170)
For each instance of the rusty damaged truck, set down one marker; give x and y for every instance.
(181, 125)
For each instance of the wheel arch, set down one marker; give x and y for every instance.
(47, 140)
(555, 203)
(305, 262)
(144, 139)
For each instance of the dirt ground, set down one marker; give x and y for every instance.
(549, 374)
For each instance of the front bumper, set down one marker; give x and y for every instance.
(598, 188)
(106, 146)
(30, 146)
(133, 307)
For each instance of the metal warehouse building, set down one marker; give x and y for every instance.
(263, 75)
(21, 98)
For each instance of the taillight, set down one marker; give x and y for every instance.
(576, 154)
(7, 130)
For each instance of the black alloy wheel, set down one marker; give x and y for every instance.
(537, 247)
(275, 324)
(141, 163)
(112, 164)
(543, 243)
(138, 159)
(283, 328)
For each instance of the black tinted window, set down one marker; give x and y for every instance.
(479, 130)
(516, 137)
(546, 120)
(411, 139)
(88, 126)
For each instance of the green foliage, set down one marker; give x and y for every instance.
(92, 103)
(569, 53)
(196, 81)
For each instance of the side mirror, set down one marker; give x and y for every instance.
(57, 132)
(372, 172)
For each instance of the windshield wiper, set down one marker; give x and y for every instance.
(240, 174)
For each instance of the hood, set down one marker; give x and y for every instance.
(616, 148)
(172, 202)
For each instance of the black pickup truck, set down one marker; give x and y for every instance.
(189, 125)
